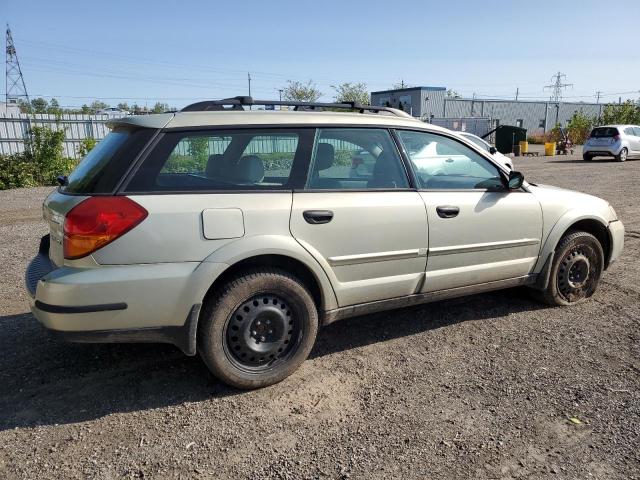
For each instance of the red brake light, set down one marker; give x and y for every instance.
(616, 137)
(97, 221)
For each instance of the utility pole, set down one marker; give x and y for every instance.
(249, 80)
(517, 93)
(280, 92)
(598, 93)
(15, 88)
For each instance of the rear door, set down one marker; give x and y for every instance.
(358, 216)
(479, 232)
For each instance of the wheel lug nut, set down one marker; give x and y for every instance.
(253, 332)
(268, 322)
(262, 339)
(270, 332)
(258, 323)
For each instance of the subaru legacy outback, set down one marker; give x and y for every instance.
(237, 233)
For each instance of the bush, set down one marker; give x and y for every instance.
(86, 145)
(16, 172)
(40, 163)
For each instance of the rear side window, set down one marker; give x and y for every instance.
(603, 132)
(222, 160)
(355, 159)
(102, 169)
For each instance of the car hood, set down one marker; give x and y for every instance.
(555, 201)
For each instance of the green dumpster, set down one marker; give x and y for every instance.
(507, 136)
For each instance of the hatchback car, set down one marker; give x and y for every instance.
(617, 141)
(237, 234)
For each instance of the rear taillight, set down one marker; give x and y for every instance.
(97, 221)
(616, 138)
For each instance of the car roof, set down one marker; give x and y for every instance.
(270, 118)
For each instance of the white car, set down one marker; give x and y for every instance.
(617, 141)
(503, 159)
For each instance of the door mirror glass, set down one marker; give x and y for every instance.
(492, 150)
(515, 180)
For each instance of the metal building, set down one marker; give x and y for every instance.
(429, 103)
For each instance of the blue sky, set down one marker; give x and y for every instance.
(178, 52)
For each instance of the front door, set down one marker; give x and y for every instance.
(478, 231)
(358, 217)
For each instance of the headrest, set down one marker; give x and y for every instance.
(324, 156)
(249, 169)
(214, 165)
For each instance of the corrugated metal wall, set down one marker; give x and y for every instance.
(536, 117)
(14, 129)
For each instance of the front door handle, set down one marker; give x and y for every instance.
(447, 211)
(316, 217)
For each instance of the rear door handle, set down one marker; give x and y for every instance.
(316, 217)
(447, 211)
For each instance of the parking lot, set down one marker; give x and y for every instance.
(491, 386)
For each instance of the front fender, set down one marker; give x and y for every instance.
(256, 245)
(561, 226)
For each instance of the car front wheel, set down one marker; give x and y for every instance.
(576, 270)
(258, 328)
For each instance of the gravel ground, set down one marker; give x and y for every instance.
(478, 387)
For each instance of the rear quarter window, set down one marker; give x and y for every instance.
(105, 165)
(247, 159)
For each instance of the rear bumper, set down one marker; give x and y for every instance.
(616, 234)
(120, 303)
(602, 150)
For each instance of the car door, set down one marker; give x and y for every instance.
(358, 217)
(636, 140)
(478, 231)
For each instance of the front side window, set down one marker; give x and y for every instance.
(442, 163)
(354, 159)
(221, 160)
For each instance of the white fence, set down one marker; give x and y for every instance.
(14, 129)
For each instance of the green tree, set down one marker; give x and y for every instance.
(97, 105)
(160, 107)
(624, 113)
(452, 94)
(301, 92)
(39, 105)
(579, 127)
(124, 106)
(54, 107)
(85, 109)
(44, 149)
(352, 92)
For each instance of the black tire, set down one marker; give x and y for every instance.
(576, 270)
(258, 328)
(586, 157)
(622, 156)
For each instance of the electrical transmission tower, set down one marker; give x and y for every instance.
(15, 87)
(557, 86)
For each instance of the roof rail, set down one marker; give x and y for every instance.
(238, 103)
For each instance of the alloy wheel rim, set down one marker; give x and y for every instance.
(261, 333)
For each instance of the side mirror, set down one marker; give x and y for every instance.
(515, 180)
(493, 150)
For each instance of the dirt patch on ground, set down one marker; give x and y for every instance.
(479, 387)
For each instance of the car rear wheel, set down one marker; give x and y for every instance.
(258, 328)
(576, 270)
(622, 156)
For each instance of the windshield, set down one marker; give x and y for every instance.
(103, 167)
(478, 141)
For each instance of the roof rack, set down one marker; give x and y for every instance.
(238, 103)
